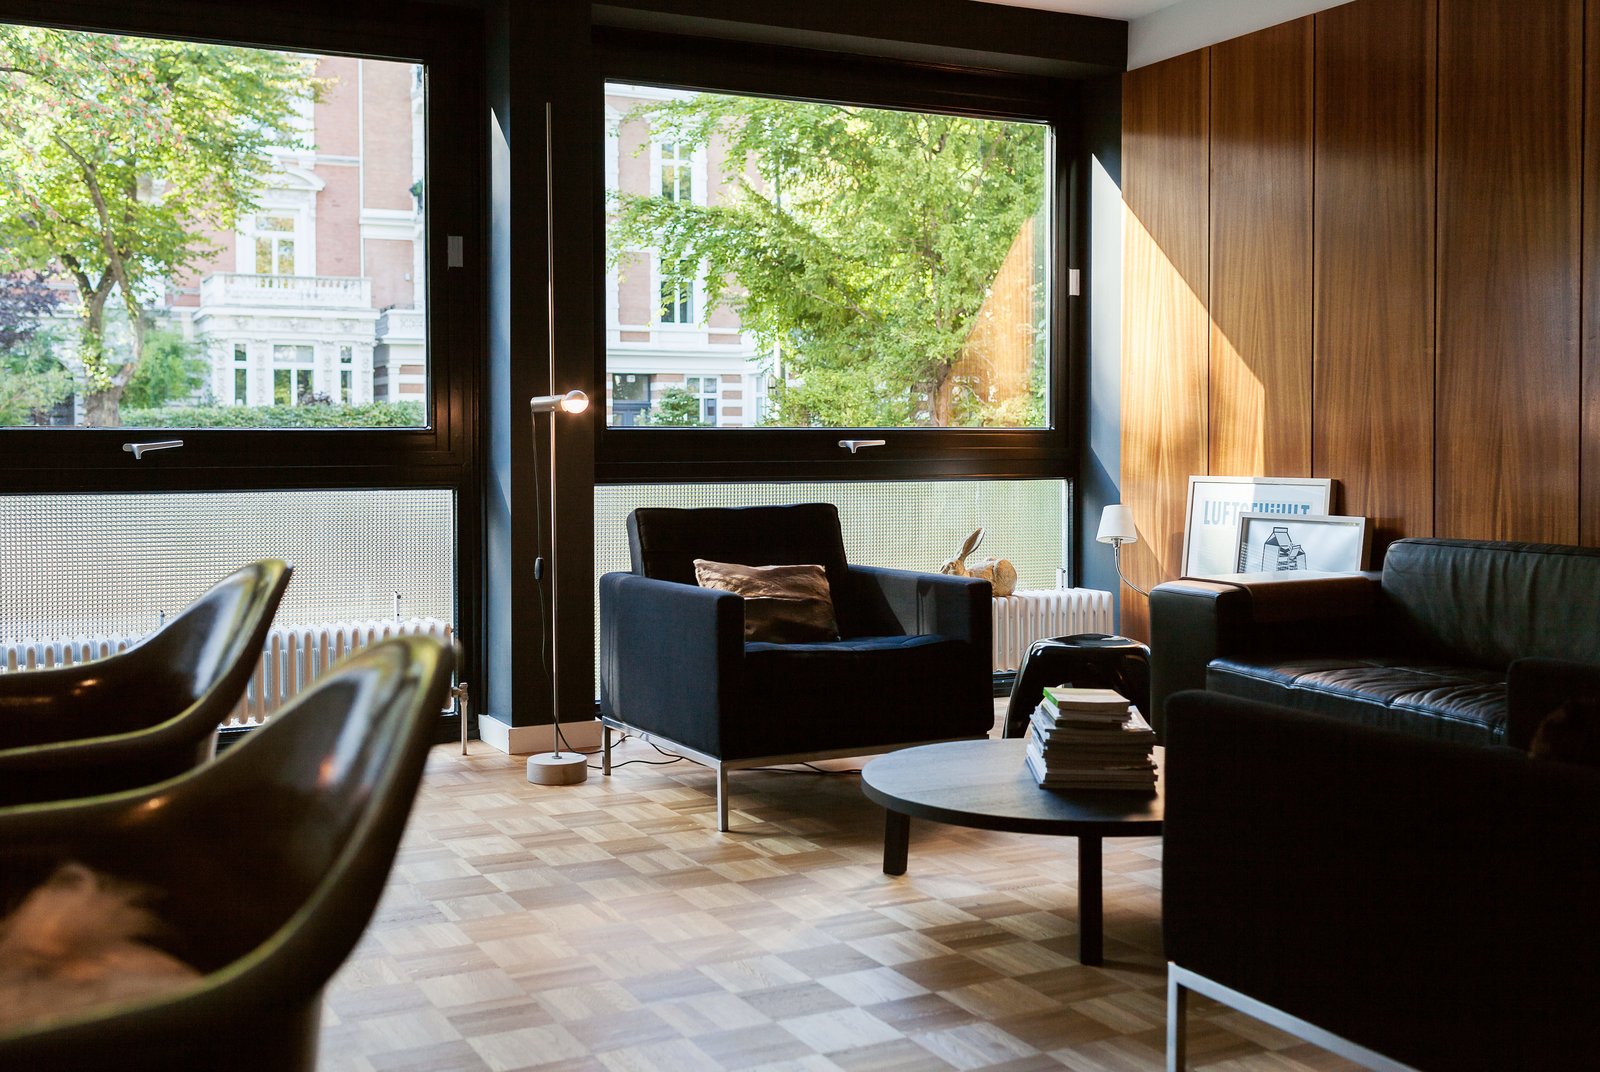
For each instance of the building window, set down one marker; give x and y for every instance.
(293, 375)
(241, 374)
(273, 239)
(704, 388)
(677, 172)
(677, 296)
(347, 373)
(630, 399)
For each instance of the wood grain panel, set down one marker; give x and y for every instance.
(1589, 450)
(1372, 416)
(1261, 175)
(1507, 410)
(1165, 329)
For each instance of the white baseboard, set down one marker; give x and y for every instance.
(526, 740)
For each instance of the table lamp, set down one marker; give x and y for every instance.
(1116, 529)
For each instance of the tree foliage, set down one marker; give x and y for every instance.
(676, 408)
(858, 244)
(171, 371)
(117, 153)
(32, 381)
(366, 415)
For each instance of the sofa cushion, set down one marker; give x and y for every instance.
(792, 689)
(1489, 602)
(1460, 703)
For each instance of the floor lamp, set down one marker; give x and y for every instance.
(554, 767)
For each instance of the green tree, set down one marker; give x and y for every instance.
(676, 408)
(32, 380)
(172, 370)
(859, 244)
(116, 155)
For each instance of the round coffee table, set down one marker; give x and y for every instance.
(986, 785)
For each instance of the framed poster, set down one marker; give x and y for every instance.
(1211, 521)
(1272, 543)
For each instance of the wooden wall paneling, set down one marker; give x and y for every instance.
(1165, 330)
(1372, 411)
(1261, 176)
(1507, 402)
(1589, 449)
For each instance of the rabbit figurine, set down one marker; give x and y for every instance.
(1000, 573)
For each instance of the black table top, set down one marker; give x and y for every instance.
(986, 785)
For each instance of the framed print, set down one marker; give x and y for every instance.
(1211, 520)
(1272, 543)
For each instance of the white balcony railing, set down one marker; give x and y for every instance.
(304, 291)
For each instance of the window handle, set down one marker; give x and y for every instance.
(857, 444)
(139, 450)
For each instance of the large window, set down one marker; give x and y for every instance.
(165, 202)
(865, 267)
(265, 298)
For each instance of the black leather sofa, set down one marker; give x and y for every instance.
(1448, 641)
(1376, 892)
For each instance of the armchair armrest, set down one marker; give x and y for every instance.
(1537, 686)
(929, 602)
(1193, 622)
(67, 703)
(671, 657)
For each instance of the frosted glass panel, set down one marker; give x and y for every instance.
(98, 564)
(904, 524)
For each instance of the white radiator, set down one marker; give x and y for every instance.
(1026, 616)
(292, 657)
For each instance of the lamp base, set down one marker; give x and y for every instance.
(558, 768)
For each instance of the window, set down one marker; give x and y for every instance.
(677, 173)
(281, 246)
(272, 238)
(293, 373)
(297, 171)
(241, 374)
(677, 295)
(347, 374)
(704, 389)
(878, 268)
(630, 398)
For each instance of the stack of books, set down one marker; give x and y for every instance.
(1090, 739)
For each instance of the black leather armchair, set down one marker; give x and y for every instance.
(1404, 901)
(271, 860)
(143, 714)
(911, 665)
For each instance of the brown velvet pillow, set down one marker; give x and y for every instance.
(782, 604)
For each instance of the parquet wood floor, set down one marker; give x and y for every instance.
(609, 926)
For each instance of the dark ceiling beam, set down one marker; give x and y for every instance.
(960, 33)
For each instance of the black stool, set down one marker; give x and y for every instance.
(1084, 660)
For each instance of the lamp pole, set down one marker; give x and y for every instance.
(554, 767)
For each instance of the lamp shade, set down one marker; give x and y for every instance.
(1116, 525)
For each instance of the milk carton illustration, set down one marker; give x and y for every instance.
(1279, 552)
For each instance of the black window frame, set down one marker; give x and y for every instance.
(450, 40)
(687, 455)
(434, 455)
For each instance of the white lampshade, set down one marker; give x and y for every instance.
(1116, 525)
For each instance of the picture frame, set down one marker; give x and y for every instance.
(1211, 516)
(1316, 543)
